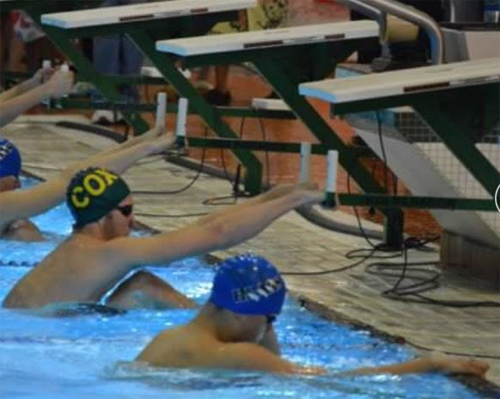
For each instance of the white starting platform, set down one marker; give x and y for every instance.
(269, 38)
(270, 104)
(427, 169)
(142, 12)
(409, 81)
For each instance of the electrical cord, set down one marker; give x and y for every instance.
(185, 188)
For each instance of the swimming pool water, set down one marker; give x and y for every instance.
(79, 357)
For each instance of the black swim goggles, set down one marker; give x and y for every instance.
(126, 210)
(270, 319)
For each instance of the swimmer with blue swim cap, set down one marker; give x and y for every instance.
(10, 169)
(234, 330)
(10, 165)
(248, 285)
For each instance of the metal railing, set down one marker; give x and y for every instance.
(378, 10)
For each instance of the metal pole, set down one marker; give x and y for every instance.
(378, 10)
(417, 17)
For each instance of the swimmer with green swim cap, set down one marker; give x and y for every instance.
(101, 263)
(93, 193)
(18, 205)
(234, 330)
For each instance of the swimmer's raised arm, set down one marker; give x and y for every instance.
(21, 98)
(275, 192)
(224, 231)
(150, 136)
(22, 204)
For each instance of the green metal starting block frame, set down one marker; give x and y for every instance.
(107, 86)
(452, 115)
(144, 33)
(378, 200)
(284, 68)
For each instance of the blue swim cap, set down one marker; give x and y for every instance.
(249, 285)
(10, 159)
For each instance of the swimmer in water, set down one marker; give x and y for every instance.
(99, 254)
(18, 205)
(247, 295)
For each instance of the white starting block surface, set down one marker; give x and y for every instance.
(142, 12)
(409, 81)
(274, 104)
(152, 72)
(269, 38)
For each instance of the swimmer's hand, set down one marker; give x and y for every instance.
(456, 365)
(42, 76)
(60, 84)
(159, 141)
(310, 193)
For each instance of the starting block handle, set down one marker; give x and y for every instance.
(331, 179)
(181, 121)
(305, 161)
(161, 110)
(45, 65)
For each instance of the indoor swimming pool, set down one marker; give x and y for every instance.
(87, 356)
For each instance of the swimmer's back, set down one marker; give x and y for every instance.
(184, 347)
(68, 274)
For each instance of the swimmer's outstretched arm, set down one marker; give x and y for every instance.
(443, 364)
(223, 231)
(151, 135)
(30, 93)
(253, 357)
(23, 204)
(276, 192)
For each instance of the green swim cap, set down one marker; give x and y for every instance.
(93, 193)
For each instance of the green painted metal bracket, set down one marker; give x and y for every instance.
(238, 112)
(457, 138)
(285, 82)
(270, 146)
(384, 201)
(489, 95)
(88, 72)
(211, 116)
(287, 87)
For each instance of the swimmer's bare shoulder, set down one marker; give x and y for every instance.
(172, 348)
(77, 270)
(182, 348)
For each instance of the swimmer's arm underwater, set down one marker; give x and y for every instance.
(23, 204)
(16, 101)
(270, 341)
(223, 231)
(248, 356)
